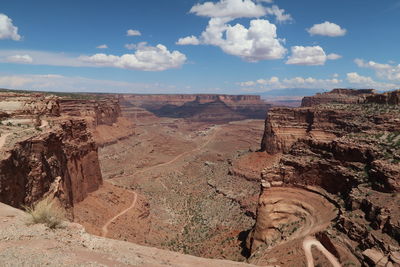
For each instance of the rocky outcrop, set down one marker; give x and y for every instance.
(388, 98)
(337, 96)
(66, 155)
(354, 159)
(17, 104)
(102, 111)
(237, 106)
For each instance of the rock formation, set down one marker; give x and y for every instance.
(349, 151)
(66, 155)
(234, 106)
(19, 104)
(103, 111)
(339, 96)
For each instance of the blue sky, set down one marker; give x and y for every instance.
(185, 46)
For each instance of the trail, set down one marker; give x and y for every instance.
(3, 139)
(308, 243)
(179, 156)
(104, 229)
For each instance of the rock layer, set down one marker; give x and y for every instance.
(349, 152)
(66, 155)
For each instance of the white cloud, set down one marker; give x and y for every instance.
(327, 29)
(274, 83)
(367, 82)
(229, 9)
(44, 58)
(147, 58)
(189, 40)
(59, 83)
(103, 46)
(333, 56)
(131, 32)
(19, 59)
(7, 29)
(278, 13)
(386, 71)
(135, 46)
(310, 56)
(258, 42)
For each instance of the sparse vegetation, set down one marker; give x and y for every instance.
(46, 213)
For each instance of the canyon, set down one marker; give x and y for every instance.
(226, 178)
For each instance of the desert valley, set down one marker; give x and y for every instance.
(202, 175)
(200, 133)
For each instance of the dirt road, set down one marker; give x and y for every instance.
(308, 243)
(104, 229)
(3, 139)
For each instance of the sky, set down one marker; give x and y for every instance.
(196, 46)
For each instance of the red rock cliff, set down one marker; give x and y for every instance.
(103, 111)
(64, 160)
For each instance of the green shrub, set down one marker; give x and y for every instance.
(44, 212)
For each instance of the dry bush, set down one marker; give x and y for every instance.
(45, 212)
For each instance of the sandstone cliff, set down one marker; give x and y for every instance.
(18, 104)
(237, 106)
(390, 98)
(63, 160)
(339, 96)
(349, 154)
(101, 111)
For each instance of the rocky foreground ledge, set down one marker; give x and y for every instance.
(37, 245)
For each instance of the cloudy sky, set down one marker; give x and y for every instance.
(195, 46)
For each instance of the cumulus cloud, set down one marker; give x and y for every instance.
(20, 59)
(258, 42)
(189, 40)
(367, 82)
(278, 13)
(7, 29)
(386, 71)
(229, 9)
(147, 58)
(103, 46)
(310, 56)
(327, 29)
(274, 83)
(131, 32)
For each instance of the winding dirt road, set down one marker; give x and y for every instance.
(308, 243)
(178, 156)
(104, 229)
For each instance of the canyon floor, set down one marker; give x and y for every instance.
(176, 185)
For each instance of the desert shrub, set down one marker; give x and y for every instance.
(46, 213)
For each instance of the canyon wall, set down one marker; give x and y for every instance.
(19, 104)
(347, 152)
(101, 111)
(219, 107)
(338, 96)
(63, 160)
